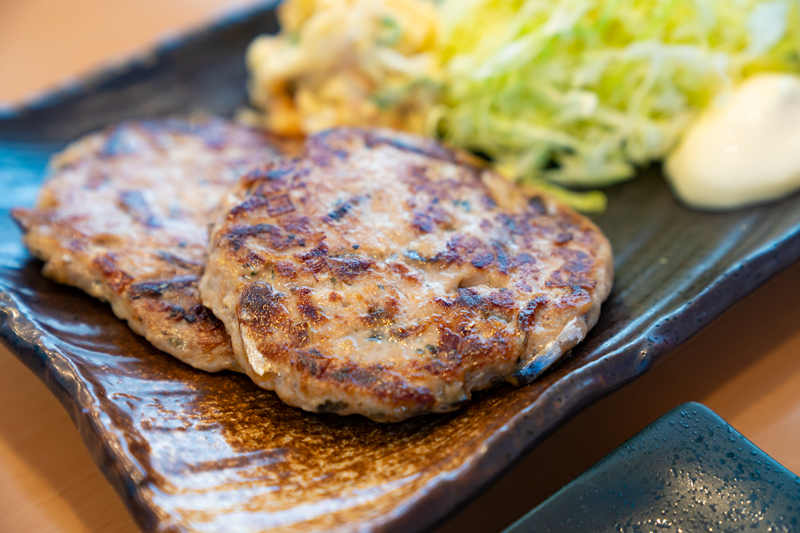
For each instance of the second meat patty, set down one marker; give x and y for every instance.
(124, 216)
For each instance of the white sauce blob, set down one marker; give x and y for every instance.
(744, 152)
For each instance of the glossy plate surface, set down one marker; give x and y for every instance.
(189, 451)
(687, 471)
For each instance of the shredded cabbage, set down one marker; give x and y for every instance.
(580, 92)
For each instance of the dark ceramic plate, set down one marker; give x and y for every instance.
(189, 451)
(687, 471)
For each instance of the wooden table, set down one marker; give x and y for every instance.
(746, 366)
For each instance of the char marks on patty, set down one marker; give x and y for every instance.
(395, 276)
(124, 215)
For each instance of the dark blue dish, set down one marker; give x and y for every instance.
(687, 471)
(189, 451)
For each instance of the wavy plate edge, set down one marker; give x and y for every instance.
(20, 336)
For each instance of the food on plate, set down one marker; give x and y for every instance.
(352, 62)
(124, 216)
(567, 92)
(386, 275)
(743, 151)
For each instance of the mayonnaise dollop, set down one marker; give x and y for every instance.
(743, 152)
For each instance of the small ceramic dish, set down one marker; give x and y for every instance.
(687, 471)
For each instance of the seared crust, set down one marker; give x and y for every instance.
(124, 216)
(385, 275)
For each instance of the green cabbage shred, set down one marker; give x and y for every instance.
(580, 93)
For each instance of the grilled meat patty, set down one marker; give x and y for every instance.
(385, 275)
(124, 216)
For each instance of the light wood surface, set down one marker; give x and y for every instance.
(746, 366)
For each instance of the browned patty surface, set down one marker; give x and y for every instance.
(124, 216)
(385, 275)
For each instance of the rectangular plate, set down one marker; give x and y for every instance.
(189, 451)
